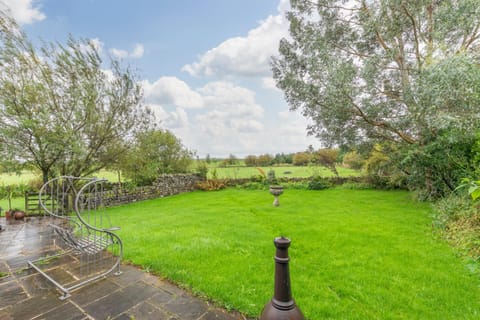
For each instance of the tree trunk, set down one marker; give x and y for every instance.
(45, 173)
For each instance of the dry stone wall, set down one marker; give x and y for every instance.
(165, 185)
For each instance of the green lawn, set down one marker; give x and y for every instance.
(354, 254)
(17, 203)
(283, 171)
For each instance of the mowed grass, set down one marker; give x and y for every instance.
(354, 255)
(282, 171)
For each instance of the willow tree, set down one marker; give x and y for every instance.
(59, 110)
(390, 70)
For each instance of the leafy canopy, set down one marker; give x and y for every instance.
(387, 70)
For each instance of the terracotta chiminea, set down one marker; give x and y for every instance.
(282, 306)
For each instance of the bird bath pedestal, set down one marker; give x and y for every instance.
(276, 191)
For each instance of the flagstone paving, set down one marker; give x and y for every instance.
(25, 294)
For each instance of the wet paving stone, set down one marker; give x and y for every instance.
(161, 298)
(10, 293)
(186, 307)
(129, 275)
(120, 301)
(144, 311)
(94, 291)
(66, 311)
(37, 305)
(220, 315)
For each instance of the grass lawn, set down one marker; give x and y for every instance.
(354, 255)
(283, 171)
(17, 203)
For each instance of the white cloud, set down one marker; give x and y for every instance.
(136, 53)
(231, 100)
(97, 44)
(244, 56)
(118, 53)
(171, 91)
(23, 11)
(270, 84)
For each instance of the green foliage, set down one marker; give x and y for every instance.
(458, 221)
(155, 152)
(202, 169)
(353, 160)
(437, 167)
(326, 158)
(251, 161)
(319, 183)
(232, 160)
(473, 187)
(60, 112)
(301, 159)
(264, 160)
(253, 186)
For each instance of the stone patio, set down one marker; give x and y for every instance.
(25, 294)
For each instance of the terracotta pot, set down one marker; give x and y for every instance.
(19, 215)
(9, 214)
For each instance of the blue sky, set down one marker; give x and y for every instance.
(204, 64)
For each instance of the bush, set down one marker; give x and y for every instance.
(212, 185)
(458, 221)
(355, 186)
(296, 185)
(318, 183)
(452, 208)
(252, 186)
(202, 169)
(353, 160)
(301, 159)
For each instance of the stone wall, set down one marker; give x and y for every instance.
(165, 185)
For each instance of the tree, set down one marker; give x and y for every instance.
(396, 71)
(264, 160)
(327, 158)
(59, 111)
(301, 159)
(230, 161)
(251, 160)
(353, 160)
(156, 152)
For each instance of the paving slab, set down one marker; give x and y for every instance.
(135, 294)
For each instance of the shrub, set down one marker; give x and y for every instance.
(212, 185)
(318, 183)
(355, 186)
(251, 161)
(301, 159)
(252, 186)
(353, 160)
(264, 160)
(202, 169)
(451, 208)
(458, 221)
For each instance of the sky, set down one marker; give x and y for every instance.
(204, 65)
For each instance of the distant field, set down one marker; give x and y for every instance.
(13, 178)
(283, 171)
(26, 176)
